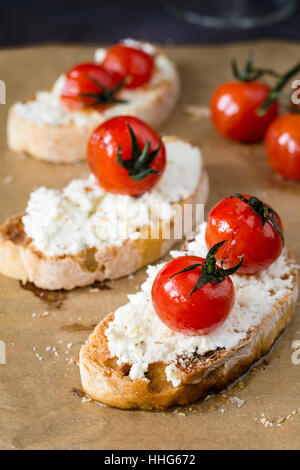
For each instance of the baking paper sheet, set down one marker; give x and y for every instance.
(42, 339)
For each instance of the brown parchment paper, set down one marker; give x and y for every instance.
(37, 408)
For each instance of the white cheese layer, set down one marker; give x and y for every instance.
(82, 215)
(46, 108)
(137, 336)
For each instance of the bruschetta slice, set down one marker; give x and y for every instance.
(55, 126)
(83, 233)
(149, 357)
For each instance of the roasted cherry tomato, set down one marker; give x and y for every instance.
(129, 62)
(282, 144)
(126, 156)
(193, 295)
(251, 227)
(233, 110)
(89, 85)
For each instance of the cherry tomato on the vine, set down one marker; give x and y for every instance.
(124, 61)
(126, 155)
(233, 110)
(196, 313)
(252, 228)
(282, 145)
(87, 84)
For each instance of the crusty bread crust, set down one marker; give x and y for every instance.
(67, 143)
(20, 259)
(105, 381)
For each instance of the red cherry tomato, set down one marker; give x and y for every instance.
(102, 153)
(83, 79)
(282, 145)
(129, 62)
(233, 110)
(234, 220)
(195, 314)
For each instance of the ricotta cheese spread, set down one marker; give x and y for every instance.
(83, 215)
(137, 336)
(46, 108)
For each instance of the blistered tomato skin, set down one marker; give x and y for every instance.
(198, 314)
(234, 220)
(82, 79)
(233, 111)
(282, 145)
(102, 153)
(124, 61)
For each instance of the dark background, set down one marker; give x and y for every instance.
(95, 21)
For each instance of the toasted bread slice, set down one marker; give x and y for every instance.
(43, 128)
(20, 259)
(106, 379)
